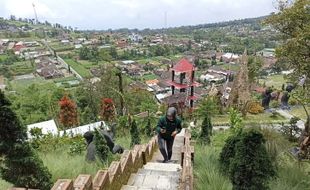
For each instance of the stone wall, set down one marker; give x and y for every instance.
(115, 176)
(187, 177)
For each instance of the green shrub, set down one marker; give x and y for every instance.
(235, 121)
(206, 130)
(274, 104)
(148, 128)
(251, 167)
(292, 102)
(290, 130)
(20, 166)
(134, 132)
(195, 133)
(77, 147)
(102, 148)
(228, 152)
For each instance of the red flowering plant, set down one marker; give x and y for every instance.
(68, 116)
(107, 109)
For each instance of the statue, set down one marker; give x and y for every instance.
(91, 147)
(286, 96)
(266, 98)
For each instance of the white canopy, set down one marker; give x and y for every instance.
(46, 127)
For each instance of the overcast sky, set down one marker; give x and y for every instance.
(105, 14)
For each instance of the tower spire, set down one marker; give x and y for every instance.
(35, 13)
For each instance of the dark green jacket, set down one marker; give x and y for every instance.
(170, 126)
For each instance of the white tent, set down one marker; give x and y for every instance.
(82, 129)
(46, 127)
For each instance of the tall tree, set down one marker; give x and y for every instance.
(254, 65)
(20, 165)
(240, 92)
(293, 23)
(68, 112)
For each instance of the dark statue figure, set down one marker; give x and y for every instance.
(91, 147)
(266, 98)
(286, 96)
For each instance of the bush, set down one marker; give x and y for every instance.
(206, 130)
(274, 104)
(291, 130)
(102, 148)
(195, 133)
(251, 167)
(292, 102)
(148, 128)
(235, 121)
(228, 152)
(77, 147)
(134, 132)
(255, 108)
(20, 164)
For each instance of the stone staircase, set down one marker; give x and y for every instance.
(159, 176)
(140, 169)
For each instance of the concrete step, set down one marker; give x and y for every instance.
(158, 172)
(129, 187)
(154, 181)
(169, 167)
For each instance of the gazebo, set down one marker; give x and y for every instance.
(183, 83)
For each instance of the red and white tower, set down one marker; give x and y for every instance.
(183, 81)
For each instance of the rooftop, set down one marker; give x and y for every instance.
(183, 66)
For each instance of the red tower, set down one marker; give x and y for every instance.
(183, 80)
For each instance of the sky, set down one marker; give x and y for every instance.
(106, 14)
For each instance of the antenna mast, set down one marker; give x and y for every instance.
(35, 13)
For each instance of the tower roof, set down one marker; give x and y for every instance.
(183, 66)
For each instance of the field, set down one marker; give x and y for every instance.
(78, 67)
(18, 85)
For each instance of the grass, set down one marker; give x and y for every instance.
(4, 185)
(298, 111)
(227, 66)
(273, 80)
(206, 170)
(78, 68)
(263, 118)
(149, 77)
(65, 166)
(3, 57)
(65, 79)
(291, 175)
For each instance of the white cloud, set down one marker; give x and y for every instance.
(103, 14)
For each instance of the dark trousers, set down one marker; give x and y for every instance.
(165, 147)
